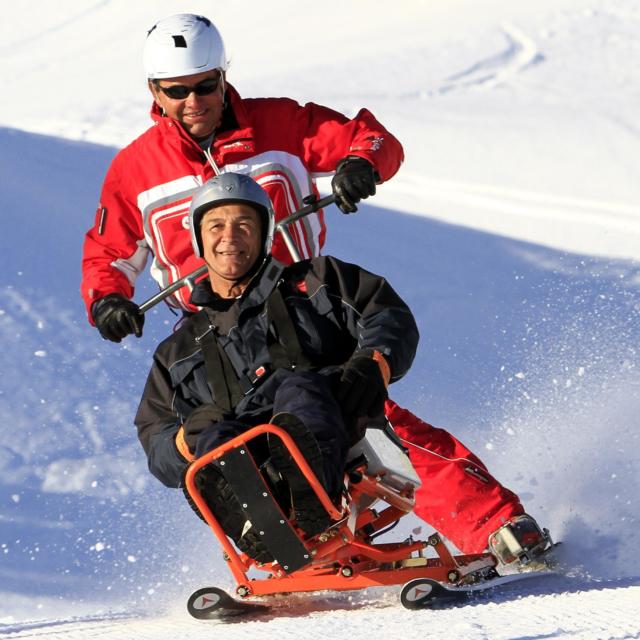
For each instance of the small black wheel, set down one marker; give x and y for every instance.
(211, 603)
(417, 593)
(204, 603)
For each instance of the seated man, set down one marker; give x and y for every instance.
(310, 347)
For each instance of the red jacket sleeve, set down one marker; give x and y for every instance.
(114, 248)
(328, 136)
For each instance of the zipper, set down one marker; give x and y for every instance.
(477, 474)
(211, 328)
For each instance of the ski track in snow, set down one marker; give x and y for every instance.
(535, 216)
(544, 206)
(593, 613)
(520, 53)
(22, 42)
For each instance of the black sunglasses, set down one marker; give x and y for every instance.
(181, 91)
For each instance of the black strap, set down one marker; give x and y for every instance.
(222, 378)
(287, 352)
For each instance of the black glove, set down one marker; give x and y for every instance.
(116, 317)
(361, 390)
(200, 419)
(355, 179)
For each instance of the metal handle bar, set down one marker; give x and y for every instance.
(283, 225)
(167, 291)
(311, 207)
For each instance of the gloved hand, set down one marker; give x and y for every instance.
(355, 179)
(116, 317)
(202, 417)
(362, 389)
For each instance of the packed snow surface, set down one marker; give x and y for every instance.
(512, 230)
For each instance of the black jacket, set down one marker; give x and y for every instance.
(337, 309)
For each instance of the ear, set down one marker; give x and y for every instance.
(154, 92)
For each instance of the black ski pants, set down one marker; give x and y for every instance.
(309, 396)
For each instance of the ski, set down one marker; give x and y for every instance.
(210, 603)
(424, 593)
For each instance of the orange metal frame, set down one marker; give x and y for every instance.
(344, 557)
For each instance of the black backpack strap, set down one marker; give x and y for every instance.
(220, 374)
(287, 353)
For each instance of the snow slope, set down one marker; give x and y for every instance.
(512, 230)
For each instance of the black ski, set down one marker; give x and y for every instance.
(423, 593)
(210, 603)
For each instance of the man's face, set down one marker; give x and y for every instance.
(231, 243)
(200, 115)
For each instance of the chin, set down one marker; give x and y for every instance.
(237, 276)
(199, 129)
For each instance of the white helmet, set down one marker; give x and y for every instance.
(225, 189)
(183, 45)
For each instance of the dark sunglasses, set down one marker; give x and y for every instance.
(181, 91)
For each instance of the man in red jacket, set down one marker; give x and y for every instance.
(202, 127)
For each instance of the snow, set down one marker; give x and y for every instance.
(513, 230)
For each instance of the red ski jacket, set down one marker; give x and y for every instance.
(145, 198)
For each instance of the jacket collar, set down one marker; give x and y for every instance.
(257, 291)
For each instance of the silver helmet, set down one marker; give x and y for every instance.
(225, 189)
(183, 45)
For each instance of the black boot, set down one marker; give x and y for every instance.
(227, 509)
(309, 513)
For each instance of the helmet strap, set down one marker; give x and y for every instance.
(223, 87)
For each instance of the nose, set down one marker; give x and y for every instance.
(229, 232)
(193, 100)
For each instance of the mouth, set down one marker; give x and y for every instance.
(231, 254)
(195, 115)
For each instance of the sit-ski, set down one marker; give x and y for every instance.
(379, 487)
